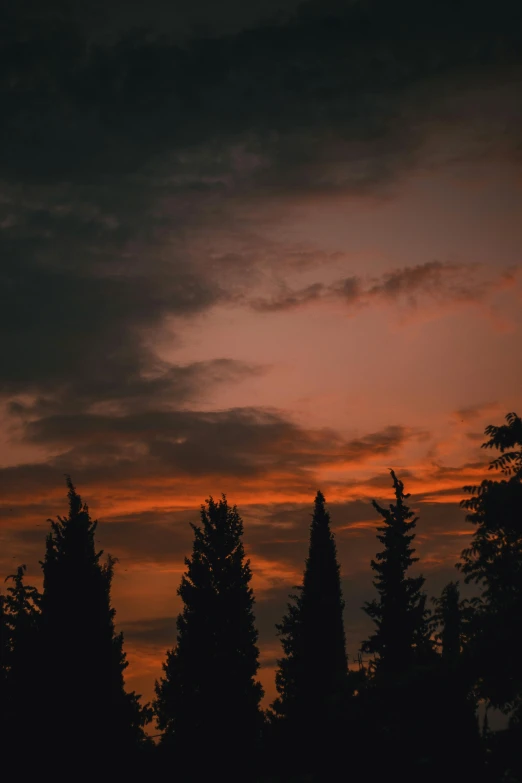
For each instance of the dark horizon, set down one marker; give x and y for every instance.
(60, 652)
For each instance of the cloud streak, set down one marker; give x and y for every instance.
(238, 444)
(433, 281)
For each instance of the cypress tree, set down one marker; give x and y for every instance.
(400, 613)
(312, 676)
(207, 702)
(85, 707)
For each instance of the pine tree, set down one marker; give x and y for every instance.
(82, 688)
(312, 676)
(397, 698)
(207, 703)
(400, 613)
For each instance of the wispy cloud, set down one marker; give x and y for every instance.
(434, 281)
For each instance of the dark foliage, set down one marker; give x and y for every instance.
(20, 621)
(312, 678)
(400, 614)
(494, 561)
(411, 713)
(208, 700)
(401, 682)
(455, 734)
(449, 622)
(82, 658)
(4, 662)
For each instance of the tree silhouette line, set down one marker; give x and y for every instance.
(407, 710)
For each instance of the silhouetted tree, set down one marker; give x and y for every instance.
(312, 676)
(207, 703)
(82, 657)
(4, 663)
(22, 614)
(396, 700)
(21, 628)
(494, 561)
(449, 622)
(453, 701)
(400, 612)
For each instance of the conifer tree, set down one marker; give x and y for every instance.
(398, 694)
(207, 702)
(312, 677)
(400, 613)
(82, 687)
(312, 631)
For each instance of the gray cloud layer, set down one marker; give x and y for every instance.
(239, 443)
(112, 155)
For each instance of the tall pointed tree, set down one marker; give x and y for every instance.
(83, 661)
(207, 702)
(312, 676)
(399, 613)
(397, 699)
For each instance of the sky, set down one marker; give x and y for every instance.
(258, 249)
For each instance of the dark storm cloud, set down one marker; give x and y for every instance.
(80, 113)
(60, 327)
(112, 154)
(180, 19)
(81, 293)
(122, 388)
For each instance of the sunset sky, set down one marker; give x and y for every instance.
(262, 249)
